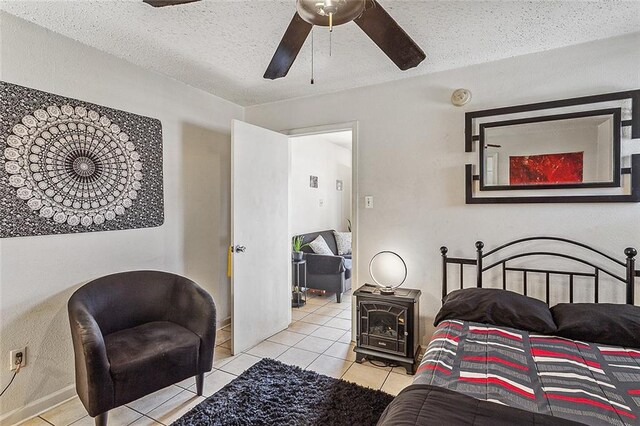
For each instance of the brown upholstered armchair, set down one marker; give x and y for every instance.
(137, 332)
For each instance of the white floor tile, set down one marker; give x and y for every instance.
(298, 357)
(346, 337)
(186, 383)
(303, 327)
(151, 401)
(328, 310)
(145, 421)
(344, 324)
(345, 304)
(175, 408)
(36, 421)
(298, 315)
(240, 364)
(267, 349)
(314, 344)
(65, 413)
(214, 382)
(121, 416)
(328, 333)
(316, 319)
(307, 308)
(318, 301)
(330, 366)
(345, 314)
(287, 337)
(341, 350)
(396, 382)
(365, 376)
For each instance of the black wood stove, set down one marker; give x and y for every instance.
(387, 326)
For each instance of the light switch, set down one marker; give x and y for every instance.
(368, 202)
(321, 202)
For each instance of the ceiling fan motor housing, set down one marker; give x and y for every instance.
(316, 12)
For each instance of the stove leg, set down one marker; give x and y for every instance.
(360, 358)
(410, 368)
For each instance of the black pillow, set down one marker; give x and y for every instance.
(497, 307)
(608, 323)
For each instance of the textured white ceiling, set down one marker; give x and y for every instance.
(224, 46)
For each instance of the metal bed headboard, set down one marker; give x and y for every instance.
(478, 262)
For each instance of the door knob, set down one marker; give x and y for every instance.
(240, 249)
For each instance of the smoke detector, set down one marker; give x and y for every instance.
(460, 97)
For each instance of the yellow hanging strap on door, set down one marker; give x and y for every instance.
(229, 260)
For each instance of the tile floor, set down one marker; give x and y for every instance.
(318, 339)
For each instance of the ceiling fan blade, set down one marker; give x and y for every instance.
(162, 3)
(389, 36)
(288, 49)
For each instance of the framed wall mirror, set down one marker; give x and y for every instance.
(575, 150)
(569, 150)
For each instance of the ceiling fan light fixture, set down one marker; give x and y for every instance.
(327, 13)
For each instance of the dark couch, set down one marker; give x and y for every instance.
(327, 272)
(137, 332)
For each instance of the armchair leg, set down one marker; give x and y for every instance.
(339, 297)
(199, 383)
(101, 419)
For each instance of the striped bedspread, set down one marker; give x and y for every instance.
(585, 382)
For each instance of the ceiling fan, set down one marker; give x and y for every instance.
(367, 14)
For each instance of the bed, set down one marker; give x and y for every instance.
(500, 357)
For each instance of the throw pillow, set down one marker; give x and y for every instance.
(606, 323)
(319, 246)
(497, 307)
(343, 241)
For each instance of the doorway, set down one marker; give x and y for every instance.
(322, 199)
(261, 231)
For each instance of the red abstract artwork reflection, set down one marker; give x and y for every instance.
(546, 168)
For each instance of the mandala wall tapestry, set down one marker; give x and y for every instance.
(546, 168)
(68, 166)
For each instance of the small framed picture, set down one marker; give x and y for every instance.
(313, 181)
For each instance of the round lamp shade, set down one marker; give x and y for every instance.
(388, 270)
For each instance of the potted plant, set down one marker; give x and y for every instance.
(296, 245)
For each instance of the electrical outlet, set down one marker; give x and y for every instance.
(17, 356)
(368, 202)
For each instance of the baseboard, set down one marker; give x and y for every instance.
(38, 406)
(223, 323)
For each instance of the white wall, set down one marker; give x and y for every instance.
(38, 274)
(317, 156)
(411, 158)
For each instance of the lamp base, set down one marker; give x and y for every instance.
(387, 291)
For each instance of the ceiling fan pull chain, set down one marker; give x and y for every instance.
(330, 42)
(311, 55)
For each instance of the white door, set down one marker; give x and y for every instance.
(261, 281)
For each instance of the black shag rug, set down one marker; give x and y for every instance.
(273, 393)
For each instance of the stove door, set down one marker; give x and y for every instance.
(382, 326)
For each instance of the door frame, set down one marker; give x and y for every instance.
(355, 194)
